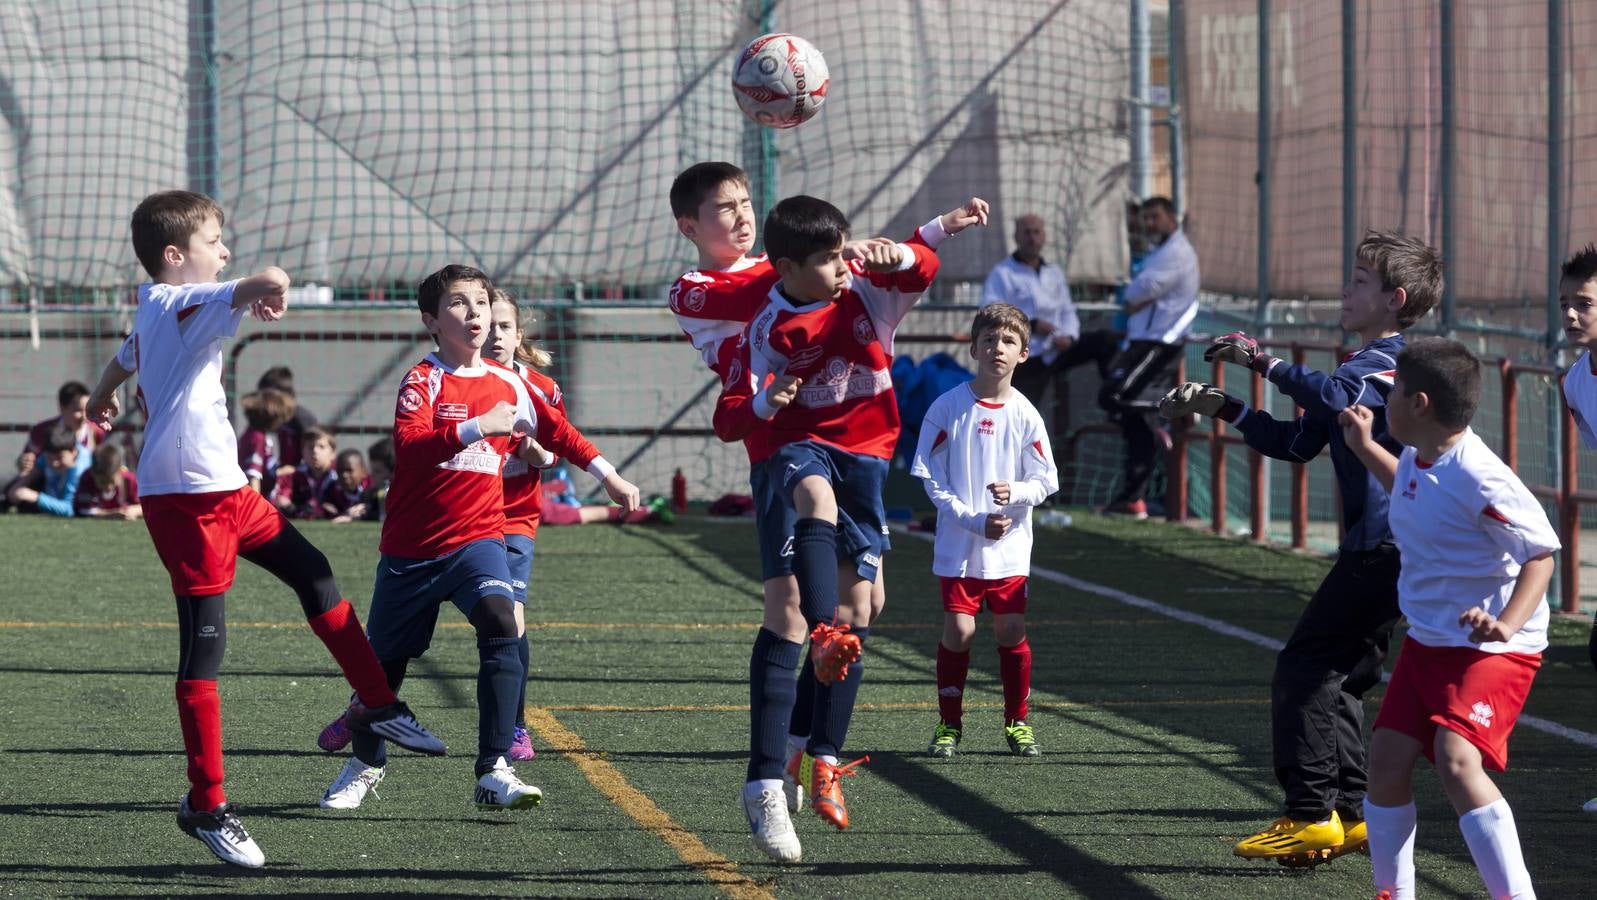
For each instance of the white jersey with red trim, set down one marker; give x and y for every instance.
(176, 349)
(1465, 524)
(712, 305)
(1580, 392)
(843, 351)
(448, 484)
(966, 444)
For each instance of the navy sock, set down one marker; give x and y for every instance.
(815, 567)
(834, 706)
(369, 748)
(499, 680)
(804, 706)
(771, 689)
(524, 651)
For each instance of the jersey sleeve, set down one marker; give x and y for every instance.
(1575, 402)
(1039, 476)
(741, 407)
(931, 467)
(889, 296)
(1364, 380)
(127, 355)
(416, 440)
(1514, 519)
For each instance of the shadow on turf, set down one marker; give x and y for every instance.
(508, 876)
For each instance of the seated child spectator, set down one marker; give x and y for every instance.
(70, 401)
(348, 494)
(109, 489)
(267, 411)
(314, 479)
(380, 464)
(291, 435)
(561, 507)
(54, 490)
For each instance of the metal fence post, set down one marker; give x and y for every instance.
(1555, 166)
(204, 163)
(1139, 99)
(1449, 124)
(1350, 211)
(1263, 175)
(1173, 78)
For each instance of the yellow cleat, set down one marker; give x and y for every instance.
(1293, 842)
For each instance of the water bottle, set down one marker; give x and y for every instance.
(679, 492)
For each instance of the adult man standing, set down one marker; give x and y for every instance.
(1038, 288)
(1161, 302)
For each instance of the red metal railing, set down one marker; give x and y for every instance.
(1566, 496)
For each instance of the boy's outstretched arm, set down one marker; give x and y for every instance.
(1360, 380)
(1299, 440)
(265, 294)
(1356, 422)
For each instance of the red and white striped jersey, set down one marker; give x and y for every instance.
(842, 350)
(448, 484)
(523, 491)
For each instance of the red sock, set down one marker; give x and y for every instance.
(1014, 667)
(951, 671)
(339, 629)
(199, 712)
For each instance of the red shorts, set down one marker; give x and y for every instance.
(199, 536)
(1477, 695)
(1002, 595)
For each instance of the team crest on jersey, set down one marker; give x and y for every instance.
(863, 331)
(456, 411)
(410, 399)
(837, 369)
(986, 426)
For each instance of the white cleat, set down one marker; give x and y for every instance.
(770, 824)
(351, 786)
(501, 789)
(222, 833)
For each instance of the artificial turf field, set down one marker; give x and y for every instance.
(1154, 731)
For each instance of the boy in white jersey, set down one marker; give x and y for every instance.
(1477, 557)
(985, 459)
(1577, 300)
(198, 505)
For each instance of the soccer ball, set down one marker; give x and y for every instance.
(780, 80)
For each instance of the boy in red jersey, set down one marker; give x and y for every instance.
(198, 505)
(713, 304)
(457, 418)
(811, 371)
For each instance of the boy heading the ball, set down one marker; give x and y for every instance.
(1337, 648)
(198, 505)
(985, 459)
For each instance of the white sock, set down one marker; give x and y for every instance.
(752, 789)
(1391, 831)
(1494, 843)
(828, 759)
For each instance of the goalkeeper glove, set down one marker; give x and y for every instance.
(1239, 349)
(1203, 399)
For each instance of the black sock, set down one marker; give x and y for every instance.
(799, 724)
(525, 652)
(771, 690)
(815, 567)
(499, 681)
(834, 706)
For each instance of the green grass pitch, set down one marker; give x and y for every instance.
(1155, 734)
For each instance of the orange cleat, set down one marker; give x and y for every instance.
(826, 793)
(833, 648)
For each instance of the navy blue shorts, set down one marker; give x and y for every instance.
(518, 555)
(773, 521)
(408, 592)
(857, 484)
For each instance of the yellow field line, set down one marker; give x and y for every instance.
(913, 705)
(615, 787)
(19, 624)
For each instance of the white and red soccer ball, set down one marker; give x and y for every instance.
(780, 80)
